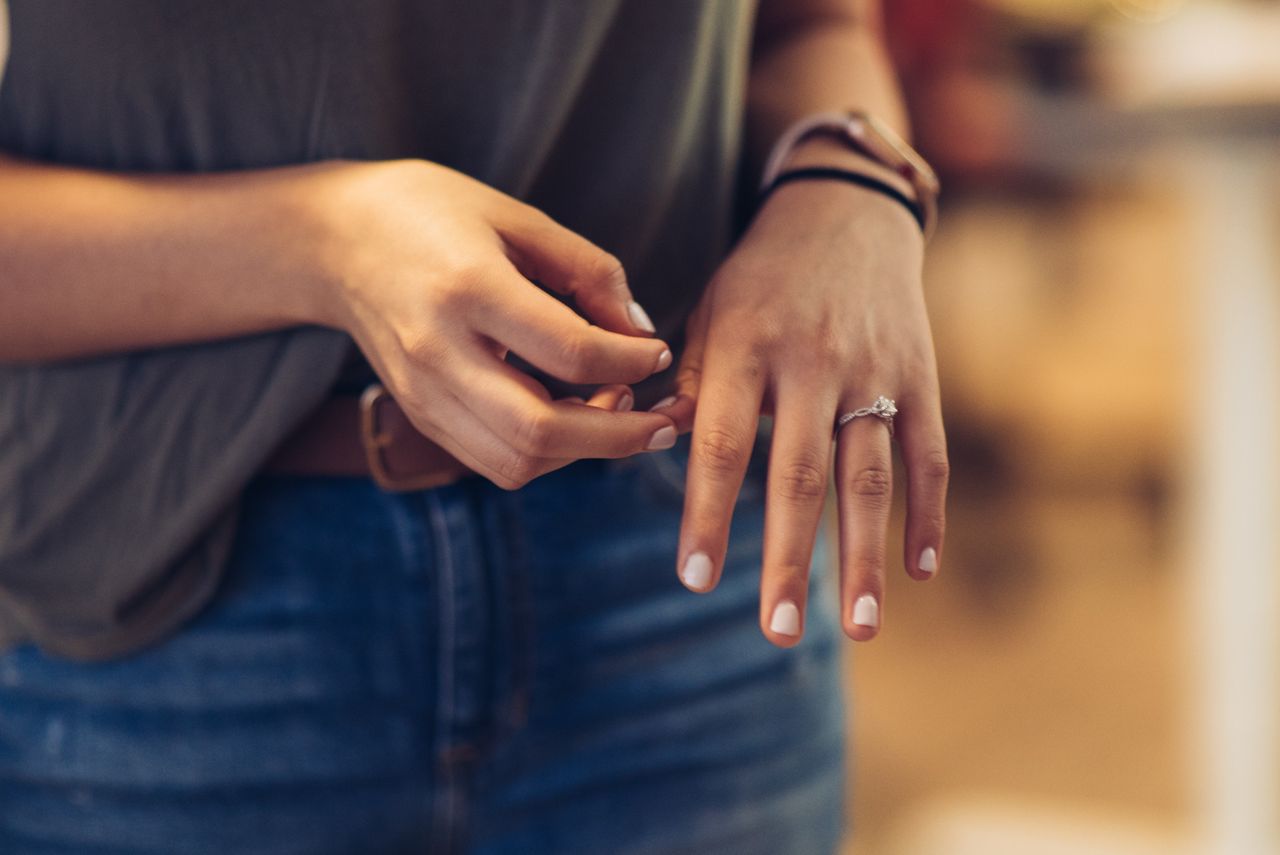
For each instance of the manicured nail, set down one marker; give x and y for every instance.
(665, 402)
(663, 437)
(786, 619)
(929, 560)
(639, 317)
(664, 359)
(625, 402)
(696, 572)
(866, 611)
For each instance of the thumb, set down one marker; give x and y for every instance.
(565, 262)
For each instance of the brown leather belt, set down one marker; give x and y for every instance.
(369, 437)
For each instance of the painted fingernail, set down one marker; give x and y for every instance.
(696, 572)
(866, 611)
(665, 402)
(786, 619)
(664, 359)
(625, 402)
(663, 437)
(639, 316)
(929, 560)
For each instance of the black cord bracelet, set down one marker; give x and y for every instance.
(823, 172)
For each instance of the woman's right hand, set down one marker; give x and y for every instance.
(436, 276)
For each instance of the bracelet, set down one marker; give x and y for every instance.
(866, 181)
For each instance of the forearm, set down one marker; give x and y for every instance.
(97, 262)
(815, 56)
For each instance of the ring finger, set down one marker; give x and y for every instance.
(864, 488)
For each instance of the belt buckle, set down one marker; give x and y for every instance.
(376, 440)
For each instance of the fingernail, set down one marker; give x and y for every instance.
(929, 560)
(866, 611)
(786, 619)
(664, 359)
(696, 572)
(625, 403)
(665, 402)
(663, 437)
(639, 316)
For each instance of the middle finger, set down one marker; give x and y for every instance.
(799, 463)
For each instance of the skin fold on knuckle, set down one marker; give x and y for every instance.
(597, 271)
(689, 377)
(790, 573)
(531, 432)
(515, 471)
(721, 451)
(606, 270)
(934, 468)
(801, 482)
(872, 484)
(576, 356)
(864, 563)
(464, 288)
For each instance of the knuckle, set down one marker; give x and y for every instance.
(515, 471)
(769, 337)
(532, 432)
(790, 569)
(423, 346)
(873, 483)
(689, 375)
(802, 481)
(576, 355)
(827, 345)
(935, 467)
(866, 564)
(466, 278)
(721, 450)
(935, 523)
(606, 269)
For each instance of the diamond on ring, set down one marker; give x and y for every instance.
(883, 408)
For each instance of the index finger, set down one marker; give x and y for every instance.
(555, 338)
(567, 263)
(724, 432)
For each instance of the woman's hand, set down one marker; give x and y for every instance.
(817, 311)
(433, 274)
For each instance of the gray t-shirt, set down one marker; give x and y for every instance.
(119, 476)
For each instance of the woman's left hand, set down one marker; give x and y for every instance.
(818, 310)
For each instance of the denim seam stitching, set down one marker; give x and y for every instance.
(444, 693)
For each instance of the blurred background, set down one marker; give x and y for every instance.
(1095, 670)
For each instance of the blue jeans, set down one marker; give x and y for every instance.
(460, 669)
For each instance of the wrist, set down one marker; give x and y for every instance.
(313, 205)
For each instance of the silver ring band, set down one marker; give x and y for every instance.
(883, 409)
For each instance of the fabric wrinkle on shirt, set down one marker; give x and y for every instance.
(121, 474)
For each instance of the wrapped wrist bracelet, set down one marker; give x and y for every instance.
(869, 137)
(852, 177)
